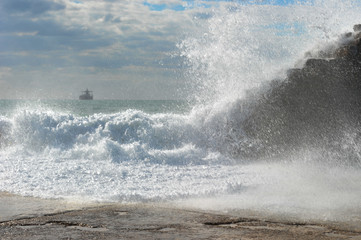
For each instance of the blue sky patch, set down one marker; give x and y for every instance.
(155, 7)
(161, 7)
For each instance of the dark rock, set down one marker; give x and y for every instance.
(357, 27)
(358, 36)
(349, 52)
(312, 107)
(349, 34)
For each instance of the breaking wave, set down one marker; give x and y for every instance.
(261, 91)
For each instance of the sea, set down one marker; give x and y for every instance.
(196, 152)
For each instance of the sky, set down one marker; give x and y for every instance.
(120, 49)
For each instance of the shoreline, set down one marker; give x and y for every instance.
(13, 206)
(54, 219)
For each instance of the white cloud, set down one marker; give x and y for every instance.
(88, 41)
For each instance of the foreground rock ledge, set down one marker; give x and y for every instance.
(149, 222)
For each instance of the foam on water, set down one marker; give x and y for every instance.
(135, 156)
(127, 155)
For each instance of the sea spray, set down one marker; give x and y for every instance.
(309, 148)
(241, 62)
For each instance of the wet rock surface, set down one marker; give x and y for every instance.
(315, 106)
(149, 222)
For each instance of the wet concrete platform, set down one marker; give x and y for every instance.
(145, 221)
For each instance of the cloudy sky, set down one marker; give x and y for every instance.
(120, 49)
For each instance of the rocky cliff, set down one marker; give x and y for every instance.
(316, 106)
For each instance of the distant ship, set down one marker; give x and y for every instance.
(87, 95)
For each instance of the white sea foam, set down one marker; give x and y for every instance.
(127, 155)
(134, 156)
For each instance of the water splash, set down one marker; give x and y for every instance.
(238, 57)
(242, 46)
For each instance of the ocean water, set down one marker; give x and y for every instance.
(222, 149)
